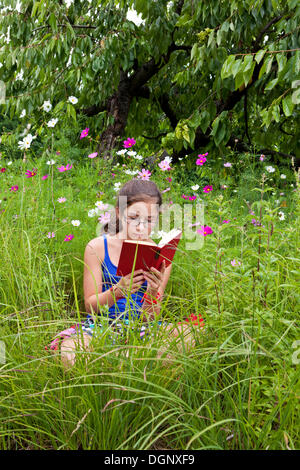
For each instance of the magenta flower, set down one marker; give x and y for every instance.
(14, 188)
(204, 230)
(192, 198)
(68, 238)
(225, 221)
(200, 160)
(207, 189)
(45, 177)
(58, 152)
(65, 168)
(93, 155)
(128, 143)
(234, 262)
(169, 179)
(29, 173)
(84, 133)
(144, 174)
(113, 175)
(184, 196)
(2, 170)
(50, 234)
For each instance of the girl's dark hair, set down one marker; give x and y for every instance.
(135, 190)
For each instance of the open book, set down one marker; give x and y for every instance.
(137, 254)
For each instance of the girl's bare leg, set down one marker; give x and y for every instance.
(177, 334)
(70, 345)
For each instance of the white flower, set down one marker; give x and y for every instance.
(138, 157)
(131, 153)
(117, 186)
(19, 75)
(121, 152)
(270, 169)
(68, 3)
(92, 213)
(26, 142)
(180, 158)
(8, 163)
(283, 176)
(194, 188)
(23, 113)
(100, 205)
(52, 122)
(131, 172)
(73, 99)
(76, 223)
(47, 106)
(281, 215)
(168, 160)
(50, 162)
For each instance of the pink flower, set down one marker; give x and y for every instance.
(225, 221)
(128, 143)
(227, 165)
(45, 177)
(184, 196)
(262, 157)
(2, 170)
(65, 168)
(68, 238)
(194, 225)
(84, 133)
(104, 218)
(58, 152)
(93, 155)
(165, 190)
(29, 173)
(207, 189)
(201, 160)
(14, 188)
(144, 174)
(113, 175)
(61, 199)
(169, 179)
(204, 230)
(164, 165)
(192, 198)
(234, 262)
(50, 235)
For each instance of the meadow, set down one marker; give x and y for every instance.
(237, 389)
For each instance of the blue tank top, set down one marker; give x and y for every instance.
(109, 277)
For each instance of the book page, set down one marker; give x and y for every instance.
(168, 237)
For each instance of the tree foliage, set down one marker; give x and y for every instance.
(192, 75)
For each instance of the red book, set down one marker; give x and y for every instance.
(137, 254)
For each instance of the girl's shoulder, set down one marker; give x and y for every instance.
(96, 246)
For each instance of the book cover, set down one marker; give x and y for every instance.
(146, 255)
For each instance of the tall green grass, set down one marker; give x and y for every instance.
(237, 389)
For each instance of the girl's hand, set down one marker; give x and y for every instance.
(154, 279)
(123, 286)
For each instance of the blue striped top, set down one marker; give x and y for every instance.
(109, 277)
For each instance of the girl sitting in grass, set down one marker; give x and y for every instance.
(106, 293)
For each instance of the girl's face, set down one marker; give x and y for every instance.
(139, 220)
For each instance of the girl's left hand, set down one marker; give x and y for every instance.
(154, 278)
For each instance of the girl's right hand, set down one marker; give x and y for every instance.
(123, 286)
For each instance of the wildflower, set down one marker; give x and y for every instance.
(2, 170)
(201, 160)
(47, 106)
(281, 215)
(270, 169)
(164, 165)
(138, 157)
(228, 165)
(52, 122)
(235, 262)
(169, 179)
(129, 142)
(165, 190)
(26, 142)
(45, 177)
(144, 174)
(131, 153)
(192, 198)
(76, 223)
(121, 152)
(50, 234)
(91, 213)
(100, 205)
(224, 186)
(68, 238)
(204, 230)
(29, 173)
(131, 172)
(184, 196)
(61, 199)
(117, 186)
(93, 155)
(65, 168)
(104, 218)
(194, 188)
(50, 162)
(73, 100)
(23, 113)
(262, 157)
(84, 133)
(283, 177)
(207, 189)
(226, 221)
(14, 188)
(9, 163)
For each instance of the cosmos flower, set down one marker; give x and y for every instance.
(129, 142)
(68, 238)
(207, 189)
(84, 133)
(73, 99)
(204, 230)
(93, 155)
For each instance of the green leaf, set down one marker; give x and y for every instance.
(53, 22)
(226, 69)
(205, 121)
(276, 112)
(259, 56)
(271, 84)
(296, 96)
(34, 9)
(287, 105)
